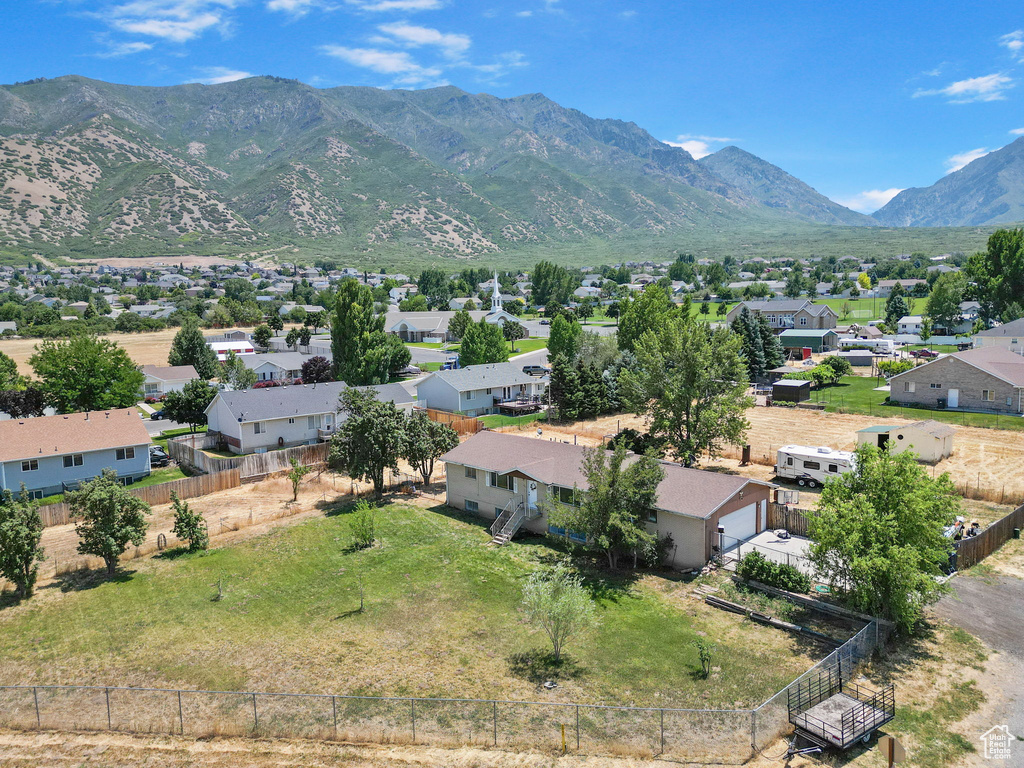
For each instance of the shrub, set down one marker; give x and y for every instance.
(756, 567)
(363, 528)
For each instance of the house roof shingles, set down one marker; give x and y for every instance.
(298, 400)
(683, 491)
(170, 372)
(483, 376)
(996, 361)
(43, 436)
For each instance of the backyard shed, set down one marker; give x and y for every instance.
(932, 441)
(817, 340)
(777, 373)
(791, 390)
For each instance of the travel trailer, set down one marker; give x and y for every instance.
(810, 466)
(878, 346)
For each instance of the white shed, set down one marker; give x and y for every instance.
(932, 441)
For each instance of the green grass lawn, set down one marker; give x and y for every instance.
(856, 394)
(529, 345)
(441, 618)
(498, 420)
(168, 433)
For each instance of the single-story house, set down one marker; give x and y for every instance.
(816, 340)
(278, 366)
(494, 471)
(1008, 336)
(240, 348)
(161, 379)
(476, 390)
(932, 441)
(433, 326)
(258, 420)
(982, 379)
(910, 324)
(53, 454)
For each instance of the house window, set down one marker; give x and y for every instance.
(35, 494)
(125, 453)
(472, 506)
(471, 395)
(652, 516)
(471, 473)
(74, 460)
(908, 386)
(935, 386)
(152, 389)
(291, 421)
(812, 465)
(488, 390)
(126, 480)
(30, 466)
(502, 481)
(258, 428)
(988, 395)
(567, 495)
(803, 321)
(311, 422)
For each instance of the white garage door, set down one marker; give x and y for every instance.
(741, 524)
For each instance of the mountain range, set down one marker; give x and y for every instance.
(88, 166)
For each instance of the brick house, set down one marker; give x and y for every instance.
(983, 379)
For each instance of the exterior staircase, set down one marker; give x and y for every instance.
(508, 523)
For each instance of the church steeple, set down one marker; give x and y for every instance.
(496, 295)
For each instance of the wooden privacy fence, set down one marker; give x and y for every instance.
(186, 488)
(464, 425)
(975, 549)
(189, 450)
(783, 516)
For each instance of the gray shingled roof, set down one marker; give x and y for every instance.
(299, 400)
(289, 361)
(483, 376)
(684, 491)
(1013, 329)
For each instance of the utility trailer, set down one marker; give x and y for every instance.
(828, 712)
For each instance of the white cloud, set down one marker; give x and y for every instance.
(174, 20)
(396, 5)
(502, 65)
(870, 200)
(453, 45)
(1017, 132)
(1014, 42)
(116, 50)
(294, 7)
(218, 75)
(628, 14)
(398, 63)
(698, 145)
(985, 88)
(956, 162)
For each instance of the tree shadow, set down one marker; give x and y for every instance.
(79, 581)
(537, 666)
(178, 552)
(9, 599)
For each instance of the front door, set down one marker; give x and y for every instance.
(954, 398)
(531, 495)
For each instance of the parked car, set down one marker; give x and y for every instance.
(157, 415)
(158, 457)
(545, 321)
(410, 370)
(923, 353)
(535, 370)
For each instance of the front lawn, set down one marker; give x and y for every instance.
(441, 618)
(529, 345)
(856, 394)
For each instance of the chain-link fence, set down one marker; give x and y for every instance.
(689, 735)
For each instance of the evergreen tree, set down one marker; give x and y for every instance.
(363, 352)
(771, 344)
(566, 393)
(190, 348)
(896, 306)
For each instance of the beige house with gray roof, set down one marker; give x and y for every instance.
(513, 479)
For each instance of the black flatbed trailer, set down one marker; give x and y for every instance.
(829, 712)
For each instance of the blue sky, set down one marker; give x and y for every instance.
(857, 99)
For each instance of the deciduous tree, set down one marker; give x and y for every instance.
(371, 440)
(86, 373)
(425, 441)
(188, 405)
(261, 335)
(564, 338)
(235, 373)
(483, 342)
(363, 352)
(109, 518)
(189, 525)
(557, 603)
(316, 370)
(21, 531)
(648, 311)
(190, 348)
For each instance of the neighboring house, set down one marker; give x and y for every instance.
(493, 472)
(786, 314)
(884, 287)
(815, 340)
(240, 348)
(476, 390)
(932, 441)
(1008, 336)
(258, 420)
(163, 379)
(433, 326)
(982, 379)
(910, 324)
(53, 454)
(278, 366)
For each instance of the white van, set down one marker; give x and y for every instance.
(810, 466)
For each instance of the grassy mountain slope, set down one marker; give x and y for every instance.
(989, 190)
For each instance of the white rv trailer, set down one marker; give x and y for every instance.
(879, 346)
(812, 466)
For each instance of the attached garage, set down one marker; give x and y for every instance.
(741, 524)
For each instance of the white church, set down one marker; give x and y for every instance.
(432, 326)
